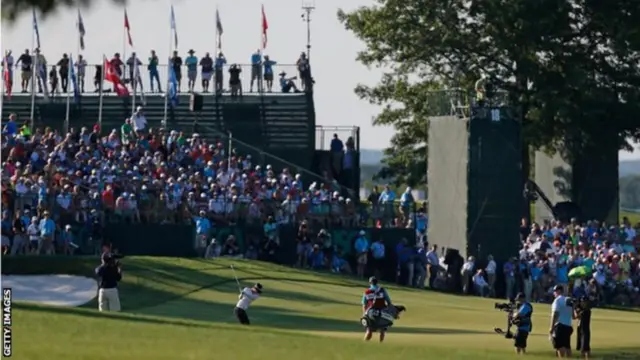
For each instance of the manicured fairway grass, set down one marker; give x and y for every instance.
(182, 309)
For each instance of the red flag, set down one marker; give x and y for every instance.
(128, 28)
(112, 76)
(265, 26)
(6, 76)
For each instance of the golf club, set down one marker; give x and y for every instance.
(236, 277)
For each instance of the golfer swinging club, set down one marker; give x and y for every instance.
(246, 297)
(375, 297)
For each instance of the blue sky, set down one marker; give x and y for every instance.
(332, 54)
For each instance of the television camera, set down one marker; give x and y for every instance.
(510, 309)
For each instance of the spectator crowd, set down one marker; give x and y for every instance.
(68, 186)
(54, 78)
(588, 259)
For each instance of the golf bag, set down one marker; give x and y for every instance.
(381, 319)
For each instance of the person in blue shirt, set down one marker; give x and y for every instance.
(256, 70)
(203, 229)
(219, 65)
(378, 254)
(268, 72)
(192, 69)
(316, 258)
(361, 247)
(47, 229)
(522, 319)
(11, 128)
(153, 71)
(287, 84)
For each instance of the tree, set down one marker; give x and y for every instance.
(571, 68)
(11, 9)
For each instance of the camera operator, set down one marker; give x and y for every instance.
(522, 319)
(582, 312)
(561, 328)
(110, 274)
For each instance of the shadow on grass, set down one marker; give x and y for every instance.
(623, 353)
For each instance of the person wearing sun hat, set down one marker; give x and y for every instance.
(191, 63)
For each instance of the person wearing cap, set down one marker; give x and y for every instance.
(287, 84)
(192, 69)
(246, 297)
(522, 319)
(47, 228)
(361, 246)
(110, 274)
(561, 328)
(375, 297)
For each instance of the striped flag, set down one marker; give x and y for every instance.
(173, 87)
(173, 27)
(127, 28)
(74, 80)
(81, 31)
(35, 28)
(219, 29)
(265, 27)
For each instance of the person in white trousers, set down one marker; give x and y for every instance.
(110, 274)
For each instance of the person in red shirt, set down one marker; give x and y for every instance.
(108, 199)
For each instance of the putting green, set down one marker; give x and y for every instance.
(182, 309)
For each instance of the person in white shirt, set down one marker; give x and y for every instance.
(139, 121)
(246, 297)
(467, 273)
(490, 270)
(480, 284)
(561, 323)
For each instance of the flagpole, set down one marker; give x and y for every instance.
(124, 48)
(166, 95)
(34, 77)
(134, 82)
(100, 92)
(66, 116)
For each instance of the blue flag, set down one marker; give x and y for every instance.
(74, 81)
(173, 86)
(35, 28)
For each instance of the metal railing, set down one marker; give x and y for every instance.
(325, 133)
(90, 82)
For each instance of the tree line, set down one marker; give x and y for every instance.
(570, 67)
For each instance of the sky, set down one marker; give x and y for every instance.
(333, 49)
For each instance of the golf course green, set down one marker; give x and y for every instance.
(182, 309)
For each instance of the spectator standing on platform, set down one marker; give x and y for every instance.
(221, 61)
(268, 72)
(81, 66)
(207, 69)
(304, 71)
(41, 71)
(192, 69)
(256, 70)
(153, 71)
(337, 150)
(53, 80)
(176, 62)
(234, 80)
(26, 61)
(132, 62)
(63, 70)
